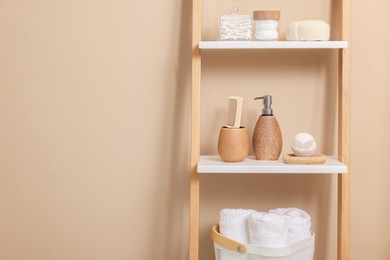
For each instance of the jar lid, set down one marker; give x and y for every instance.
(266, 15)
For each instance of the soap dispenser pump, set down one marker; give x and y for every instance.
(267, 137)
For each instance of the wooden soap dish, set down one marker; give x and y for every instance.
(314, 159)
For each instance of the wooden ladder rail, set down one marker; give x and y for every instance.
(195, 130)
(344, 134)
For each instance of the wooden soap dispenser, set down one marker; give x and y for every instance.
(267, 137)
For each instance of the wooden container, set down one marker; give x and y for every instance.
(233, 144)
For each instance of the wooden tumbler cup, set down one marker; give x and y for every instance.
(233, 144)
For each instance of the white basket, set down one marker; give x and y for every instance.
(227, 249)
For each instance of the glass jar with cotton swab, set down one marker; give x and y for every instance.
(236, 27)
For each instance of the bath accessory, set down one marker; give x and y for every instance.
(233, 144)
(233, 140)
(314, 159)
(268, 230)
(267, 137)
(266, 25)
(308, 30)
(276, 228)
(304, 147)
(279, 234)
(235, 27)
(298, 222)
(303, 250)
(303, 144)
(233, 223)
(234, 112)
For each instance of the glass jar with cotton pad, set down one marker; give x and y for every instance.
(266, 25)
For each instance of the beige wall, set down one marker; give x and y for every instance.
(94, 136)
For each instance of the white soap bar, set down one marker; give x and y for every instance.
(308, 30)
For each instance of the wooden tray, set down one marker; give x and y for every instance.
(314, 159)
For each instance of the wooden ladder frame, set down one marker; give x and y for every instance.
(344, 130)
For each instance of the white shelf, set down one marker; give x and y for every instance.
(213, 164)
(273, 44)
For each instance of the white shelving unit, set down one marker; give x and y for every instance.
(272, 45)
(213, 164)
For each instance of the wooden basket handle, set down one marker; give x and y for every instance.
(226, 242)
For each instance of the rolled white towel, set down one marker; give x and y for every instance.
(233, 223)
(268, 230)
(298, 222)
